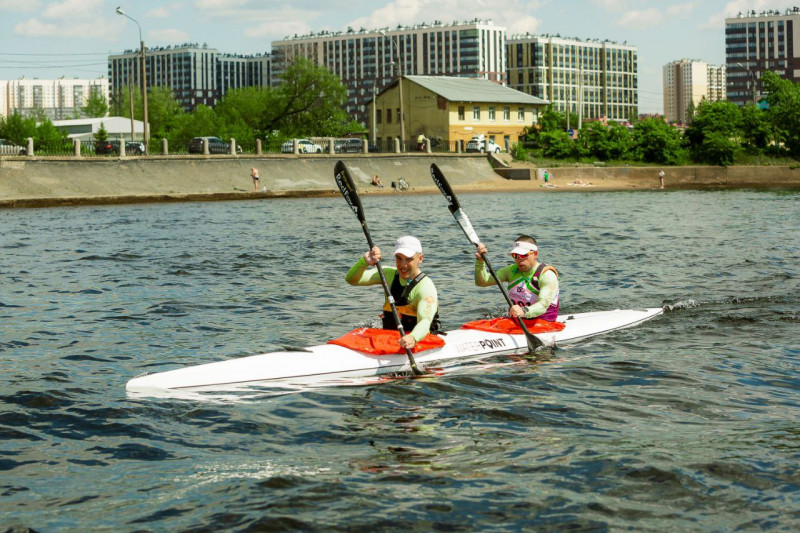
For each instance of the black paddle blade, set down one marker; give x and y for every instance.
(348, 188)
(447, 191)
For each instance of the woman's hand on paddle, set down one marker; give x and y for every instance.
(480, 251)
(373, 256)
(407, 342)
(516, 312)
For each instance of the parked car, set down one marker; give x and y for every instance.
(215, 146)
(9, 148)
(478, 144)
(112, 147)
(354, 146)
(304, 145)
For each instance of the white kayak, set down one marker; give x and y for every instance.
(328, 362)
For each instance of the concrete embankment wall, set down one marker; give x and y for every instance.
(47, 181)
(70, 181)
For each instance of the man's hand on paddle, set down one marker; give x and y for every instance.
(516, 311)
(373, 256)
(480, 251)
(407, 341)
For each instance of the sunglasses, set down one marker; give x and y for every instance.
(520, 256)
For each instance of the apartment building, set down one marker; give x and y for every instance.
(687, 82)
(366, 61)
(759, 42)
(196, 74)
(59, 99)
(592, 78)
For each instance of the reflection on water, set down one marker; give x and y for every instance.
(686, 422)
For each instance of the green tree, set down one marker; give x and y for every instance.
(102, 133)
(96, 105)
(655, 141)
(756, 130)
(163, 112)
(17, 128)
(605, 143)
(783, 99)
(713, 136)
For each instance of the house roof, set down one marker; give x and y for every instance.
(474, 90)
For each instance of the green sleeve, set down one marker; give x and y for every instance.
(426, 300)
(362, 274)
(484, 279)
(548, 290)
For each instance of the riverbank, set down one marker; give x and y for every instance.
(43, 182)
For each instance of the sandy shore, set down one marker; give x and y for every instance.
(42, 182)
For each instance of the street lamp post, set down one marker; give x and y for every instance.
(144, 81)
(400, 85)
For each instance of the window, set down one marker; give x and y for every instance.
(491, 112)
(521, 114)
(388, 116)
(506, 113)
(476, 112)
(461, 112)
(398, 116)
(378, 117)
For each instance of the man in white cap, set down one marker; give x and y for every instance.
(532, 286)
(414, 293)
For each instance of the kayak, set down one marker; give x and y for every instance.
(329, 362)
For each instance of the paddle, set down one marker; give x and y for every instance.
(534, 342)
(348, 189)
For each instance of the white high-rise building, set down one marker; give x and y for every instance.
(368, 60)
(59, 99)
(688, 81)
(592, 78)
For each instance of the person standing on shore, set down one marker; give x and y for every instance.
(661, 178)
(254, 175)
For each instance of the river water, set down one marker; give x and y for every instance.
(686, 422)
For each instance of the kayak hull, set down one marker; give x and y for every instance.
(329, 361)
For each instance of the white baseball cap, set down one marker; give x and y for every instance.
(408, 246)
(523, 248)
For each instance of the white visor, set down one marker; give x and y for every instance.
(523, 248)
(408, 246)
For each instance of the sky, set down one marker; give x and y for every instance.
(73, 38)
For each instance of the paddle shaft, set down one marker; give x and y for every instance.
(348, 189)
(462, 219)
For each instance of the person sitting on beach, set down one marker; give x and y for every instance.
(376, 181)
(532, 286)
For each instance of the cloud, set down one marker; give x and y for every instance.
(20, 7)
(278, 29)
(74, 9)
(219, 5)
(639, 20)
(160, 12)
(87, 30)
(684, 10)
(717, 21)
(168, 36)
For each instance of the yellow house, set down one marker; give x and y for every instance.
(450, 109)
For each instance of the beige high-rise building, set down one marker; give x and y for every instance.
(689, 81)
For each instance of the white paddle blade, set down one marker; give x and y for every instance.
(463, 221)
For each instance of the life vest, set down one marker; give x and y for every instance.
(524, 292)
(407, 313)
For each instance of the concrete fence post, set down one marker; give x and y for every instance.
(331, 148)
(233, 146)
(258, 146)
(427, 145)
(459, 144)
(122, 147)
(486, 145)
(164, 147)
(76, 144)
(205, 147)
(365, 146)
(295, 146)
(396, 145)
(30, 146)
